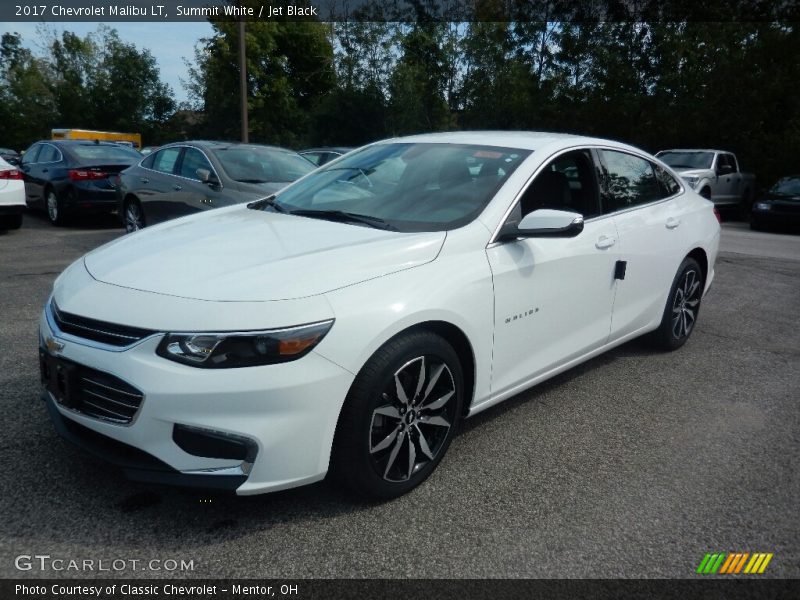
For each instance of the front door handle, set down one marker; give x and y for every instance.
(672, 223)
(604, 242)
(177, 188)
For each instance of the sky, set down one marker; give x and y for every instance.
(168, 42)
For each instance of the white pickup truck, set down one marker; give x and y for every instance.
(714, 174)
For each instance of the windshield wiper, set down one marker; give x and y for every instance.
(342, 216)
(264, 202)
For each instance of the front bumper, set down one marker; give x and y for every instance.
(286, 412)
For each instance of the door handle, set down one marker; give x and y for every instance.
(44, 170)
(672, 223)
(144, 180)
(177, 188)
(604, 242)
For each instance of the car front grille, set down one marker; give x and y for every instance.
(104, 396)
(88, 391)
(111, 334)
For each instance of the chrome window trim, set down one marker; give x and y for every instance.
(493, 240)
(210, 164)
(49, 162)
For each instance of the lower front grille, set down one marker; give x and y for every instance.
(89, 391)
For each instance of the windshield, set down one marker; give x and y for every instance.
(257, 164)
(687, 160)
(787, 186)
(408, 187)
(111, 152)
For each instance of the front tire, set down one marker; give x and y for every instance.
(399, 417)
(683, 305)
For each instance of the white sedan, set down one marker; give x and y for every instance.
(12, 196)
(348, 323)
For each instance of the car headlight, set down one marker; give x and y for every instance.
(215, 350)
(762, 206)
(692, 181)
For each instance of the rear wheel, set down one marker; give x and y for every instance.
(134, 216)
(54, 206)
(683, 305)
(400, 416)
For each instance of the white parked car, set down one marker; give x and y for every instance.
(12, 196)
(350, 322)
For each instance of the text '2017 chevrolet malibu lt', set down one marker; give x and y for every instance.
(348, 323)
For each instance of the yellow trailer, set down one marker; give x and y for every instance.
(129, 139)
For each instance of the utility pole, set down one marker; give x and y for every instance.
(243, 82)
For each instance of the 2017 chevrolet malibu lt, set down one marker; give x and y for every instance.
(349, 322)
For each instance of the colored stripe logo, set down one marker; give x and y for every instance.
(734, 563)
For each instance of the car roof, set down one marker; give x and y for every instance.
(221, 145)
(524, 140)
(341, 149)
(81, 143)
(695, 150)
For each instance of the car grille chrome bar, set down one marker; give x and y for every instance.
(102, 332)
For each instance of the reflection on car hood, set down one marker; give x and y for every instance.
(238, 254)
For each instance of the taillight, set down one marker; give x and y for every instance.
(86, 175)
(11, 174)
(716, 214)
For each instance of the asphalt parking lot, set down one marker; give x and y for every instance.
(634, 464)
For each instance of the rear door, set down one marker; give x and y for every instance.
(31, 175)
(644, 201)
(160, 186)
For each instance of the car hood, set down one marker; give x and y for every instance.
(692, 172)
(238, 254)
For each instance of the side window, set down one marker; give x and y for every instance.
(669, 185)
(567, 183)
(32, 154)
(49, 154)
(164, 160)
(725, 161)
(193, 159)
(314, 157)
(630, 181)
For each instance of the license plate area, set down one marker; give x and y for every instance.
(59, 377)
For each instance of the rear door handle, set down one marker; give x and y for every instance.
(144, 180)
(604, 242)
(177, 188)
(672, 223)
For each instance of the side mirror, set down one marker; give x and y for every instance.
(207, 177)
(545, 222)
(12, 161)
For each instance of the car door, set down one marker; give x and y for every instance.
(31, 175)
(727, 179)
(553, 296)
(158, 184)
(194, 194)
(645, 202)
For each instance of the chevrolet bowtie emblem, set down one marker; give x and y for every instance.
(53, 345)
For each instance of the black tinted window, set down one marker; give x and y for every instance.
(193, 159)
(49, 153)
(630, 181)
(164, 160)
(567, 183)
(669, 185)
